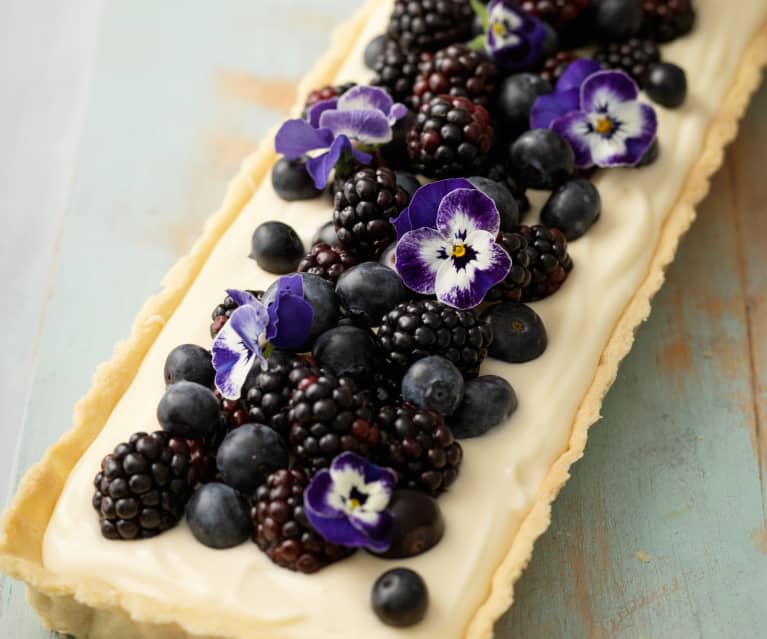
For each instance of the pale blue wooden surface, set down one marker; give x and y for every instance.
(660, 533)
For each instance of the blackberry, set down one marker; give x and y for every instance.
(451, 136)
(232, 412)
(281, 529)
(326, 93)
(556, 65)
(143, 486)
(558, 13)
(635, 57)
(549, 262)
(456, 71)
(666, 20)
(329, 262)
(223, 312)
(363, 207)
(418, 445)
(396, 71)
(328, 416)
(520, 276)
(414, 330)
(428, 25)
(266, 393)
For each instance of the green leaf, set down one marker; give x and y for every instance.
(478, 43)
(481, 10)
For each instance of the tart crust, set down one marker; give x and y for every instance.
(90, 609)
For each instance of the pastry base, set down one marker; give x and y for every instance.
(90, 611)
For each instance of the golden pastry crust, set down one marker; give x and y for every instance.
(92, 610)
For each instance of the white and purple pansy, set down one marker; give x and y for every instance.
(347, 504)
(363, 114)
(447, 244)
(514, 38)
(609, 127)
(285, 324)
(566, 96)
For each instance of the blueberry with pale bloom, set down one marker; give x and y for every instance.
(347, 504)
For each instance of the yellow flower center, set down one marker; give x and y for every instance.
(354, 503)
(459, 250)
(499, 29)
(604, 126)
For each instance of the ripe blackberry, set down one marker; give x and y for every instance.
(396, 71)
(456, 71)
(223, 312)
(329, 262)
(666, 20)
(329, 416)
(143, 486)
(266, 393)
(428, 25)
(419, 446)
(558, 13)
(549, 262)
(426, 327)
(232, 412)
(520, 277)
(635, 57)
(281, 529)
(327, 93)
(451, 136)
(363, 207)
(556, 65)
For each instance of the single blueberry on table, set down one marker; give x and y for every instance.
(542, 159)
(400, 597)
(418, 524)
(435, 383)
(189, 410)
(573, 208)
(218, 516)
(190, 363)
(346, 351)
(666, 84)
(520, 335)
(505, 202)
(248, 455)
(276, 248)
(487, 401)
(368, 291)
(292, 182)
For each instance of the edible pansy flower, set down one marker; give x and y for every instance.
(285, 323)
(566, 96)
(451, 249)
(363, 114)
(347, 504)
(611, 127)
(514, 38)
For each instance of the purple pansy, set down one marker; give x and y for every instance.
(567, 94)
(347, 504)
(451, 249)
(285, 323)
(514, 37)
(363, 114)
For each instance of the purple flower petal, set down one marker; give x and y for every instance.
(317, 109)
(606, 88)
(463, 211)
(291, 321)
(241, 297)
(576, 73)
(317, 497)
(365, 98)
(550, 106)
(361, 156)
(322, 166)
(575, 127)
(366, 126)
(632, 138)
(396, 113)
(422, 211)
(338, 531)
(368, 471)
(514, 38)
(377, 530)
(419, 255)
(297, 137)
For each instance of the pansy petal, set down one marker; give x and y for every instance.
(419, 255)
(319, 496)
(550, 106)
(454, 287)
(240, 297)
(632, 140)
(297, 137)
(576, 73)
(377, 529)
(364, 98)
(361, 156)
(402, 223)
(464, 211)
(422, 211)
(397, 112)
(366, 126)
(290, 321)
(314, 112)
(348, 462)
(322, 166)
(606, 88)
(337, 531)
(236, 347)
(575, 127)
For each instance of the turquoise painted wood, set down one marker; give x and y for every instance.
(662, 530)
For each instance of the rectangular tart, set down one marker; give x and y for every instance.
(170, 586)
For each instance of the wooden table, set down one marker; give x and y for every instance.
(121, 129)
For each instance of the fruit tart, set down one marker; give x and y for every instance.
(351, 407)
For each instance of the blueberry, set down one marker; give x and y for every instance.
(190, 363)
(519, 333)
(651, 155)
(573, 208)
(542, 159)
(666, 84)
(326, 234)
(400, 597)
(276, 247)
(324, 302)
(418, 524)
(189, 410)
(550, 43)
(618, 20)
(291, 181)
(516, 96)
(408, 181)
(435, 383)
(504, 201)
(218, 516)
(248, 454)
(368, 291)
(395, 152)
(374, 50)
(487, 401)
(346, 351)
